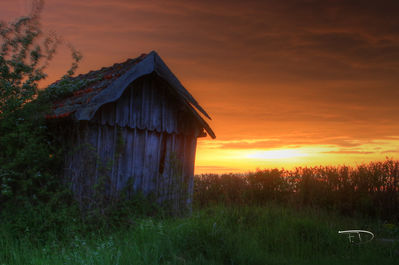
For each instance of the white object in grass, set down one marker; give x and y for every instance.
(358, 232)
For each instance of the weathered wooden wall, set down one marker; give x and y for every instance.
(145, 141)
(148, 104)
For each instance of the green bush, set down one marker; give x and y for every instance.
(30, 156)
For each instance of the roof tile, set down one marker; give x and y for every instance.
(106, 75)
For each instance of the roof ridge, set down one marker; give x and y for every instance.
(108, 84)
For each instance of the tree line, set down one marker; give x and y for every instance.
(369, 189)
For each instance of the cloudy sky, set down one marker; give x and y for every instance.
(287, 83)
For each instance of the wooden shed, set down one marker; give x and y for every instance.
(132, 127)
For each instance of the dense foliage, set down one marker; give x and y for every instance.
(30, 157)
(370, 189)
(22, 61)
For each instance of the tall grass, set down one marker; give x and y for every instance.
(265, 217)
(216, 235)
(369, 189)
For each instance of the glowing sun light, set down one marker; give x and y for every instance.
(276, 154)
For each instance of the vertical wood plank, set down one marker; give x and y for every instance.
(122, 110)
(108, 114)
(139, 147)
(137, 104)
(156, 110)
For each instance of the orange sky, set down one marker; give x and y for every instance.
(287, 83)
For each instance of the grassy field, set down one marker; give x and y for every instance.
(270, 234)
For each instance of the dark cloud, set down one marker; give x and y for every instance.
(259, 41)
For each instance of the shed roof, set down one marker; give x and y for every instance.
(108, 84)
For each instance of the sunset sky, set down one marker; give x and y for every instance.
(287, 83)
